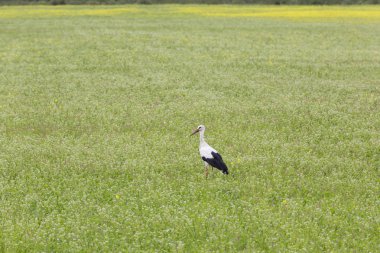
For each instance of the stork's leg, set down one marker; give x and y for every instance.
(206, 170)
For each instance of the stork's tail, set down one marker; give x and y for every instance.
(225, 171)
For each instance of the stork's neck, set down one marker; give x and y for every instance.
(202, 137)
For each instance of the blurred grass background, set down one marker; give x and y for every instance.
(96, 112)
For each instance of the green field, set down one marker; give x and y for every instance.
(97, 105)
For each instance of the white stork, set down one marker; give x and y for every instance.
(209, 155)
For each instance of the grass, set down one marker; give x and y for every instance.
(96, 112)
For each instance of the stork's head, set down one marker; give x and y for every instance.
(200, 128)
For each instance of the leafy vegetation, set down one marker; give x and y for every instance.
(97, 104)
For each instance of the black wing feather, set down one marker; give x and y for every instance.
(216, 162)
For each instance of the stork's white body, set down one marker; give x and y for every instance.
(205, 149)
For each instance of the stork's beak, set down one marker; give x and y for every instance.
(195, 131)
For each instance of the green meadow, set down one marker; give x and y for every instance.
(97, 104)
